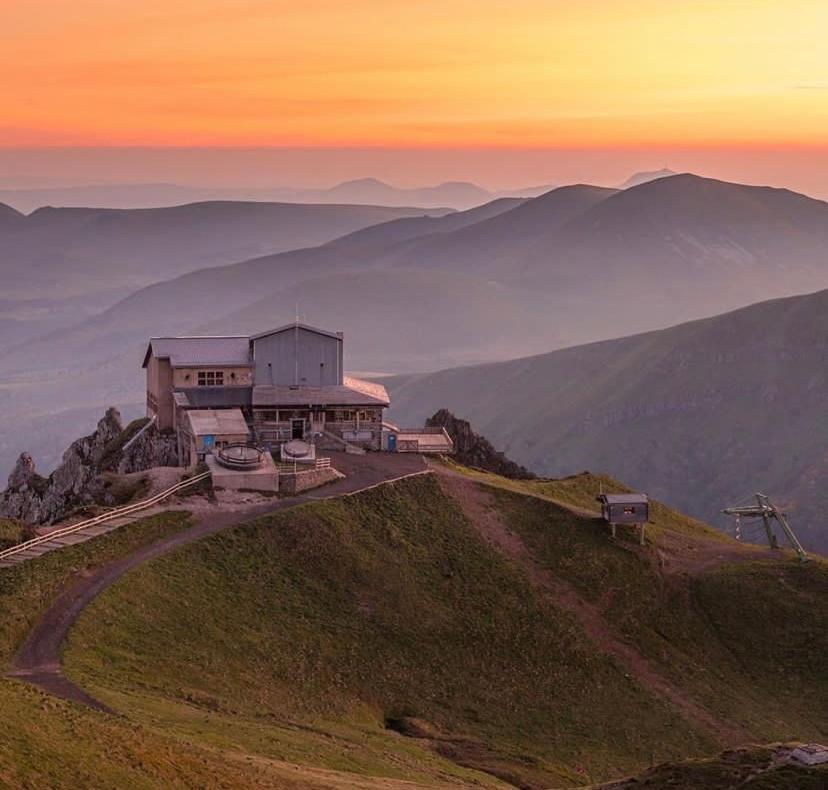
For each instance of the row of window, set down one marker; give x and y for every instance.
(331, 415)
(210, 378)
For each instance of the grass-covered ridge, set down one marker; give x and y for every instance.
(47, 742)
(746, 637)
(382, 639)
(27, 589)
(386, 605)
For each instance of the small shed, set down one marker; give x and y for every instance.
(625, 509)
(211, 429)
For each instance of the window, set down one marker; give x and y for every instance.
(340, 415)
(210, 378)
(629, 510)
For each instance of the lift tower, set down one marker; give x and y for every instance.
(766, 510)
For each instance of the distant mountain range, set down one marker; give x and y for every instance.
(701, 415)
(59, 265)
(371, 191)
(510, 278)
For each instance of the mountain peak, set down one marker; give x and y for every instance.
(645, 176)
(363, 182)
(9, 214)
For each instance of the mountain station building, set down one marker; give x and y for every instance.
(287, 383)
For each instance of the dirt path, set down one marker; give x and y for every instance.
(38, 661)
(479, 506)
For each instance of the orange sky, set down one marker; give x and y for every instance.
(464, 73)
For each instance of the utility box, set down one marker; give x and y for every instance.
(625, 509)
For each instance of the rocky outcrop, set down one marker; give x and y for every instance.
(472, 449)
(76, 482)
(80, 480)
(148, 449)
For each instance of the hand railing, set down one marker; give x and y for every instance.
(103, 518)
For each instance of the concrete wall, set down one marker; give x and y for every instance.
(298, 356)
(290, 483)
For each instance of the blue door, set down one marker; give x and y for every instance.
(392, 443)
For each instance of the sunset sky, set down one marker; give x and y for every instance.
(592, 75)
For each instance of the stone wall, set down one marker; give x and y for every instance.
(294, 483)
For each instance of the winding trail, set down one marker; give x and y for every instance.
(38, 660)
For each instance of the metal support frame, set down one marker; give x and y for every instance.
(639, 527)
(766, 510)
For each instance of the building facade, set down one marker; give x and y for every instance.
(287, 383)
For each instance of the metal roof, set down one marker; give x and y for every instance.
(354, 392)
(623, 499)
(200, 351)
(213, 397)
(217, 422)
(308, 327)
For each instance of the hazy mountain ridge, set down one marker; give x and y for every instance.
(77, 261)
(700, 415)
(457, 194)
(60, 251)
(499, 281)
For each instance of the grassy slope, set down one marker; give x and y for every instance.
(297, 637)
(13, 532)
(581, 490)
(47, 742)
(747, 639)
(27, 589)
(379, 606)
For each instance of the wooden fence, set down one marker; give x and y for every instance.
(120, 512)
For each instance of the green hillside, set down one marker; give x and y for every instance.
(318, 634)
(700, 415)
(455, 629)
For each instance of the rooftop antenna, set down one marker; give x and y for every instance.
(296, 348)
(766, 510)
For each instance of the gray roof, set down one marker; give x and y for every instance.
(213, 397)
(200, 351)
(308, 327)
(354, 392)
(217, 422)
(623, 499)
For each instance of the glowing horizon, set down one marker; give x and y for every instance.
(474, 75)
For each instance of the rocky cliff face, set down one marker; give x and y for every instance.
(472, 449)
(78, 480)
(150, 448)
(75, 482)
